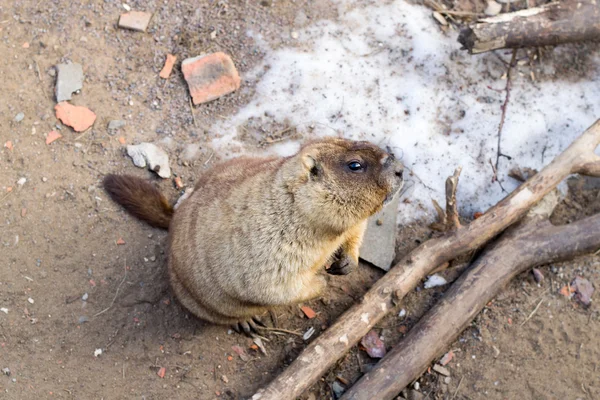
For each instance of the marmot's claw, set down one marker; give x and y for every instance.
(343, 266)
(250, 327)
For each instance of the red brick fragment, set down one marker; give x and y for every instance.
(210, 76)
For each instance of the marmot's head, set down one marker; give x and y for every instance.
(342, 182)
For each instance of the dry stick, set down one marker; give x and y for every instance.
(332, 344)
(532, 242)
(503, 116)
(548, 25)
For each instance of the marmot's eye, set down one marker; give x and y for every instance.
(355, 166)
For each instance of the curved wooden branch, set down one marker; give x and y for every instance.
(590, 167)
(332, 344)
(533, 242)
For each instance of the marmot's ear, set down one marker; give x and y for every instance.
(311, 165)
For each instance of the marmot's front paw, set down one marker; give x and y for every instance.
(343, 266)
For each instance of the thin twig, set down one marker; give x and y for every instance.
(192, 111)
(533, 312)
(505, 105)
(265, 328)
(116, 293)
(457, 388)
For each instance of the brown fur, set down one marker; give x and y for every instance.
(257, 233)
(140, 199)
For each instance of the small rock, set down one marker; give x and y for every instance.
(19, 117)
(179, 183)
(6, 371)
(379, 244)
(537, 275)
(120, 242)
(416, 385)
(4, 310)
(496, 351)
(447, 358)
(447, 380)
(135, 20)
(338, 389)
(30, 300)
(52, 136)
(85, 297)
(126, 7)
(69, 80)
(9, 145)
(97, 352)
(225, 379)
(168, 67)
(373, 345)
(441, 370)
(402, 313)
(435, 280)
(241, 352)
(148, 154)
(115, 125)
(21, 181)
(161, 372)
(77, 117)
(210, 76)
(294, 35)
(83, 319)
(308, 334)
(583, 290)
(492, 8)
(309, 312)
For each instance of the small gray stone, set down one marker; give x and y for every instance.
(6, 371)
(83, 319)
(70, 79)
(19, 117)
(152, 156)
(441, 370)
(85, 297)
(379, 243)
(338, 389)
(115, 125)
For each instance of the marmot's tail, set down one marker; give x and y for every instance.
(140, 198)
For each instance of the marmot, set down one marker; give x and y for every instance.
(258, 232)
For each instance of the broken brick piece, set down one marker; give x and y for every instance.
(309, 312)
(210, 76)
(135, 20)
(168, 67)
(52, 136)
(77, 117)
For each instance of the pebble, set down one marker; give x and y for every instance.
(307, 335)
(30, 300)
(295, 35)
(83, 319)
(115, 125)
(19, 117)
(434, 281)
(85, 297)
(135, 20)
(21, 181)
(441, 370)
(6, 371)
(583, 290)
(373, 345)
(416, 386)
(152, 156)
(447, 380)
(69, 80)
(4, 310)
(225, 379)
(97, 352)
(77, 117)
(338, 389)
(210, 76)
(402, 313)
(537, 275)
(492, 8)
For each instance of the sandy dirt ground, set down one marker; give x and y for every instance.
(59, 231)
